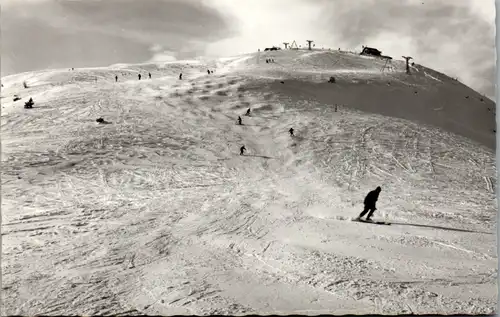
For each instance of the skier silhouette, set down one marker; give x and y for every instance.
(239, 120)
(291, 131)
(242, 149)
(180, 76)
(208, 71)
(116, 78)
(139, 76)
(369, 202)
(248, 112)
(149, 74)
(29, 104)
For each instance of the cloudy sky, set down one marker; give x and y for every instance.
(452, 36)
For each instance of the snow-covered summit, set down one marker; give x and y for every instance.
(157, 213)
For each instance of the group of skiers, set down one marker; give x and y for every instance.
(149, 75)
(240, 122)
(138, 76)
(370, 199)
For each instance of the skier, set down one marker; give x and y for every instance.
(29, 104)
(370, 201)
(180, 76)
(139, 76)
(116, 78)
(248, 112)
(239, 120)
(242, 149)
(291, 131)
(208, 71)
(149, 74)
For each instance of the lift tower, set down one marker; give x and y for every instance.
(309, 41)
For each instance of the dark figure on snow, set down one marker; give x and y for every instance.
(29, 104)
(116, 78)
(139, 76)
(291, 131)
(208, 71)
(248, 112)
(239, 120)
(102, 121)
(370, 201)
(267, 61)
(180, 76)
(149, 74)
(242, 149)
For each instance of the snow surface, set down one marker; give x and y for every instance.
(157, 213)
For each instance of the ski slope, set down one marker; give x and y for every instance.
(157, 213)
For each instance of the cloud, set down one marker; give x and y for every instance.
(162, 55)
(99, 33)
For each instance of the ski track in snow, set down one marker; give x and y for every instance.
(156, 213)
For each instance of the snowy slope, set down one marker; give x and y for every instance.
(157, 213)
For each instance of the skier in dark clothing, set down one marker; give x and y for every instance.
(139, 76)
(370, 201)
(291, 131)
(208, 71)
(29, 104)
(116, 78)
(180, 76)
(149, 74)
(239, 120)
(242, 149)
(248, 112)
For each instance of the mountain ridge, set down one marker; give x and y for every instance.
(158, 213)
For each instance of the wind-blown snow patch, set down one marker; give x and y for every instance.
(432, 77)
